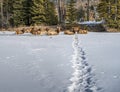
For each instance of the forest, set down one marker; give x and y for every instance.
(15, 13)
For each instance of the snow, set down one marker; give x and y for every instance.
(53, 63)
(91, 22)
(82, 80)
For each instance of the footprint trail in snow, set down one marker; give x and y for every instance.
(83, 78)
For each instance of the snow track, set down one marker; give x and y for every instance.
(83, 78)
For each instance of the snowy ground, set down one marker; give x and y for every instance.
(53, 63)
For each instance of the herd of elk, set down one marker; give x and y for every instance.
(75, 30)
(38, 31)
(49, 31)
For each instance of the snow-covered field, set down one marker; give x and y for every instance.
(83, 63)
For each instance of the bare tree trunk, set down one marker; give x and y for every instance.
(1, 13)
(116, 10)
(7, 14)
(88, 9)
(61, 10)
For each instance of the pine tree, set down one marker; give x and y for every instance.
(37, 12)
(17, 11)
(80, 14)
(110, 11)
(71, 12)
(50, 13)
(27, 13)
(118, 13)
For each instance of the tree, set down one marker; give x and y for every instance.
(71, 12)
(80, 14)
(110, 11)
(50, 13)
(27, 12)
(43, 12)
(5, 12)
(17, 17)
(37, 12)
(16, 13)
(1, 13)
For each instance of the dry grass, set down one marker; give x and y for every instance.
(113, 30)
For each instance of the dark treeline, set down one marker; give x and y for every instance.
(16, 13)
(27, 12)
(110, 11)
(51, 12)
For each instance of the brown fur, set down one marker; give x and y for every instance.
(23, 30)
(75, 29)
(52, 32)
(68, 32)
(18, 31)
(27, 30)
(47, 29)
(83, 32)
(38, 32)
(58, 29)
(34, 31)
(43, 32)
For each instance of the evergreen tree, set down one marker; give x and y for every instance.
(110, 11)
(80, 14)
(17, 17)
(50, 13)
(37, 12)
(71, 12)
(16, 12)
(118, 14)
(27, 12)
(43, 12)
